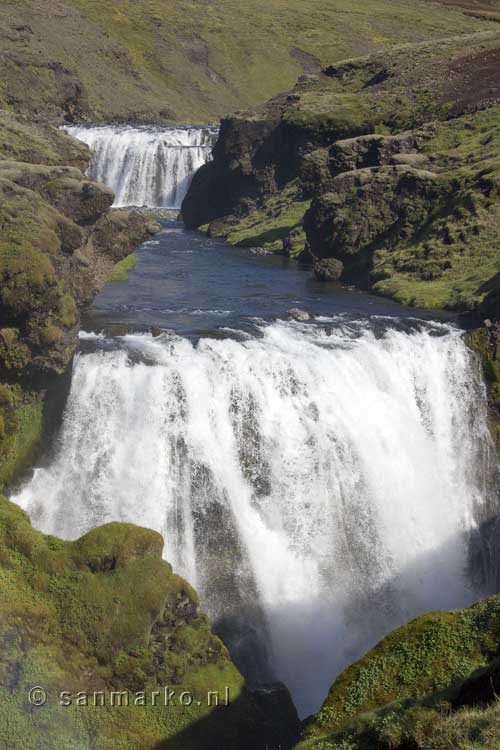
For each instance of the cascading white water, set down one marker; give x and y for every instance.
(318, 485)
(147, 166)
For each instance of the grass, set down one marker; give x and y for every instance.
(279, 220)
(419, 726)
(122, 269)
(194, 61)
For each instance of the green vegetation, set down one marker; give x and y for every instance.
(122, 269)
(193, 61)
(400, 694)
(20, 431)
(276, 227)
(106, 613)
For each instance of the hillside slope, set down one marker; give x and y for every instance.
(195, 60)
(381, 171)
(429, 685)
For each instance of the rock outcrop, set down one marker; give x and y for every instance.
(399, 186)
(58, 245)
(121, 649)
(369, 209)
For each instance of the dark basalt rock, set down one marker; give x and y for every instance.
(328, 269)
(241, 173)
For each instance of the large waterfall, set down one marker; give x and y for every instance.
(147, 166)
(318, 484)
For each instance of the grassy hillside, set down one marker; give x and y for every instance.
(397, 155)
(195, 60)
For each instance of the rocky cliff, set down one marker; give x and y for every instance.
(381, 171)
(58, 244)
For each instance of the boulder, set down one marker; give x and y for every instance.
(369, 208)
(299, 315)
(373, 150)
(328, 269)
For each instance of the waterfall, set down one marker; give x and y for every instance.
(318, 484)
(146, 166)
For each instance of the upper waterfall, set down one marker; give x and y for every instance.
(146, 166)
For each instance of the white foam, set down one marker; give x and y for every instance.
(351, 468)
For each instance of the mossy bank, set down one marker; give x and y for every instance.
(381, 171)
(430, 684)
(58, 245)
(102, 625)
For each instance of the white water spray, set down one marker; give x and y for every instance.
(322, 486)
(146, 166)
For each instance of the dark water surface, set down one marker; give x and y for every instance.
(187, 283)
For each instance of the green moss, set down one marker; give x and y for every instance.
(104, 614)
(426, 656)
(122, 269)
(22, 419)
